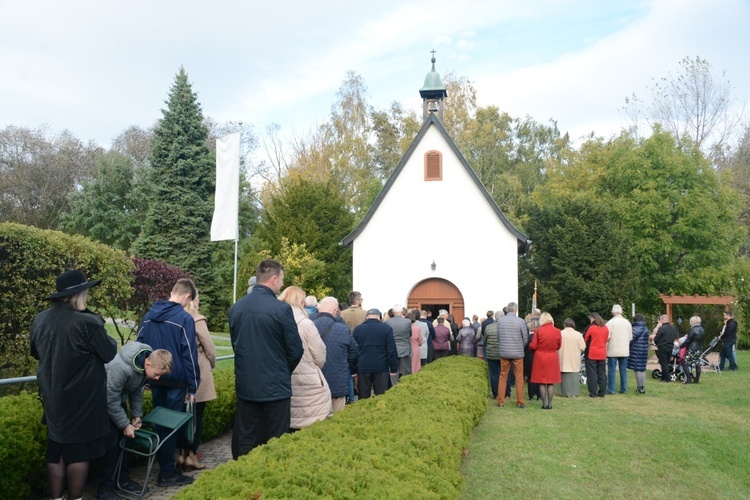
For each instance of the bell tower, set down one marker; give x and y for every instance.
(433, 92)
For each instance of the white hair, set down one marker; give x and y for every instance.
(328, 304)
(398, 310)
(466, 323)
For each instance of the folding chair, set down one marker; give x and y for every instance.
(146, 443)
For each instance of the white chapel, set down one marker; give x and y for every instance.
(465, 256)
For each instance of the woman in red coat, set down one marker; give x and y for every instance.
(545, 369)
(596, 336)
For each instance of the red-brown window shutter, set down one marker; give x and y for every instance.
(433, 166)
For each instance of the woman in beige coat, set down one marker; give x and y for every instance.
(570, 359)
(311, 396)
(206, 390)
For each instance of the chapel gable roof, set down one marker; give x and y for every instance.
(523, 240)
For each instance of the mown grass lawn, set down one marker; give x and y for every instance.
(675, 441)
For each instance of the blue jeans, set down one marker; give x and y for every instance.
(612, 368)
(350, 397)
(727, 353)
(173, 399)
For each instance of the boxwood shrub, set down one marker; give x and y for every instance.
(407, 443)
(23, 438)
(30, 259)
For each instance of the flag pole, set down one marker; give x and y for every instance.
(236, 241)
(226, 221)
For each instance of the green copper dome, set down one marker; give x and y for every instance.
(432, 81)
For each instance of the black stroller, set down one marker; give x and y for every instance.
(675, 372)
(711, 359)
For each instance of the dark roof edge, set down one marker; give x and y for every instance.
(523, 241)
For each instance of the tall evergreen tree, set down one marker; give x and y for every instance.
(178, 222)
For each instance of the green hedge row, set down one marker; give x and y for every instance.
(23, 438)
(405, 444)
(31, 258)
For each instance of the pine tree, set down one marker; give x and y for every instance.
(177, 225)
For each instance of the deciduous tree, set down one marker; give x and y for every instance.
(38, 173)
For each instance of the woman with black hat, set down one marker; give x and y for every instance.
(72, 347)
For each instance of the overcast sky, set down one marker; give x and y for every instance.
(97, 67)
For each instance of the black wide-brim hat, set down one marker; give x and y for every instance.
(70, 283)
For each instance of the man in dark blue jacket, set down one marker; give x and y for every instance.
(168, 326)
(267, 348)
(341, 351)
(378, 358)
(431, 337)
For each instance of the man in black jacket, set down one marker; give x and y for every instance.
(267, 349)
(728, 340)
(378, 358)
(664, 340)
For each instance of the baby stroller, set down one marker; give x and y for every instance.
(675, 372)
(711, 359)
(582, 372)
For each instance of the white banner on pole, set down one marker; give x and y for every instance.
(226, 200)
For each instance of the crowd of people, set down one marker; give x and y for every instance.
(298, 360)
(92, 395)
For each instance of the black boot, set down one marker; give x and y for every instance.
(697, 377)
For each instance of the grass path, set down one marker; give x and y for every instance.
(676, 441)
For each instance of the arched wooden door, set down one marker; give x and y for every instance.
(436, 293)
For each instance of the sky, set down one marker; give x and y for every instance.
(97, 67)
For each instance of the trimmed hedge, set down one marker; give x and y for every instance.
(407, 443)
(23, 446)
(31, 258)
(23, 438)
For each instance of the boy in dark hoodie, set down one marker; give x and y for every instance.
(126, 375)
(168, 326)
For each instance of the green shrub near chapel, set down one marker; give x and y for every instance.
(23, 438)
(30, 259)
(407, 443)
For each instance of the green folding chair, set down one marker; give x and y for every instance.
(146, 442)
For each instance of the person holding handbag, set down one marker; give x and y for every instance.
(188, 457)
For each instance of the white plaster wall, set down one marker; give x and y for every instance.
(392, 254)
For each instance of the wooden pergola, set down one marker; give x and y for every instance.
(721, 300)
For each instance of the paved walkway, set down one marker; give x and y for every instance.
(215, 453)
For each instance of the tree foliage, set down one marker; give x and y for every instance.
(38, 172)
(107, 208)
(664, 193)
(316, 215)
(152, 281)
(583, 261)
(182, 177)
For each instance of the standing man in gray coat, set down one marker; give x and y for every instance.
(512, 336)
(402, 335)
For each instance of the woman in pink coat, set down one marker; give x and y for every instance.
(545, 370)
(416, 342)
